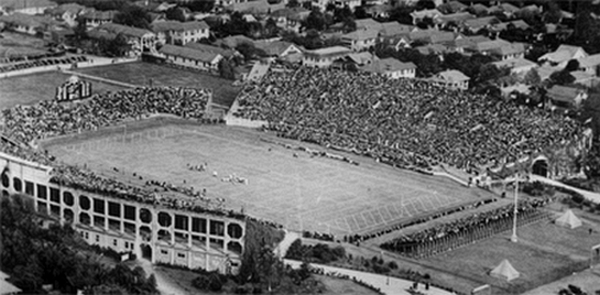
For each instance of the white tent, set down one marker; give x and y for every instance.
(505, 271)
(568, 219)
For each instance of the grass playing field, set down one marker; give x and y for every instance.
(300, 192)
(545, 252)
(141, 73)
(29, 89)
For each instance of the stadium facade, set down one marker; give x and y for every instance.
(162, 235)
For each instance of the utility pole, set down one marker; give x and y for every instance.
(514, 237)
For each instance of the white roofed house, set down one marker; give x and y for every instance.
(563, 97)
(590, 64)
(351, 4)
(180, 33)
(476, 24)
(451, 79)
(509, 51)
(28, 24)
(280, 49)
(426, 13)
(94, 18)
(26, 6)
(324, 57)
(290, 18)
(67, 13)
(141, 40)
(191, 58)
(562, 55)
(391, 68)
(517, 66)
(360, 40)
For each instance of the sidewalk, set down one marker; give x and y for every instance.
(591, 196)
(388, 285)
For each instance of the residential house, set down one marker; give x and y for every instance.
(466, 43)
(390, 29)
(58, 35)
(180, 33)
(397, 42)
(290, 18)
(320, 4)
(528, 10)
(392, 68)
(95, 18)
(546, 70)
(255, 7)
(360, 40)
(517, 66)
(351, 4)
(279, 49)
(509, 51)
(562, 55)
(152, 6)
(517, 24)
(354, 61)
(452, 7)
(418, 16)
(454, 19)
(27, 24)
(564, 97)
(30, 7)
(191, 58)
(141, 40)
(487, 47)
(433, 36)
(225, 3)
(367, 24)
(324, 57)
(585, 79)
(452, 79)
(590, 64)
(67, 13)
(474, 25)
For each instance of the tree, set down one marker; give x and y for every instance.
(293, 4)
(561, 78)
(572, 65)
(316, 20)
(226, 69)
(360, 13)
(176, 13)
(199, 5)
(270, 29)
(425, 4)
(532, 78)
(401, 14)
(133, 16)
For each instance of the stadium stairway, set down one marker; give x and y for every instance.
(258, 71)
(284, 245)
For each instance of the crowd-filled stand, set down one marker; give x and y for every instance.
(23, 125)
(443, 236)
(42, 63)
(404, 122)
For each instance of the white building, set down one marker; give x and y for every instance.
(392, 68)
(452, 79)
(324, 57)
(191, 58)
(180, 33)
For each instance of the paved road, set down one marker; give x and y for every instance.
(592, 196)
(388, 285)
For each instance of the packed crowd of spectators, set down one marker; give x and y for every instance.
(408, 123)
(50, 118)
(42, 63)
(484, 221)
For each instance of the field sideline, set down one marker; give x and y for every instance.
(302, 193)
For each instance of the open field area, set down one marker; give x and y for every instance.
(141, 73)
(15, 44)
(301, 192)
(545, 252)
(29, 89)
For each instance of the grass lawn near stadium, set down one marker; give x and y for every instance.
(302, 193)
(30, 89)
(544, 253)
(140, 73)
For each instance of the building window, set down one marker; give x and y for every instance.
(165, 252)
(180, 255)
(114, 242)
(97, 238)
(126, 245)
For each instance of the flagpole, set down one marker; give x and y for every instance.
(514, 237)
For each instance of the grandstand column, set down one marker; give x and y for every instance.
(154, 236)
(76, 208)
(189, 231)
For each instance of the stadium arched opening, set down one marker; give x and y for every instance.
(146, 251)
(540, 167)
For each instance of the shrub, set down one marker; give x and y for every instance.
(393, 265)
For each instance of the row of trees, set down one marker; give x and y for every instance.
(34, 256)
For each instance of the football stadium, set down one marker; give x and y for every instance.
(403, 167)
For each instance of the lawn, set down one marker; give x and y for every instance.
(144, 74)
(30, 89)
(301, 192)
(545, 253)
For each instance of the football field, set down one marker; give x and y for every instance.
(289, 186)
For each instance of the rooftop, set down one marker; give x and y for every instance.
(275, 48)
(210, 49)
(515, 63)
(562, 53)
(452, 76)
(589, 61)
(178, 26)
(387, 65)
(563, 93)
(121, 29)
(189, 53)
(334, 50)
(20, 4)
(360, 35)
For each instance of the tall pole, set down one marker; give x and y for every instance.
(514, 238)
